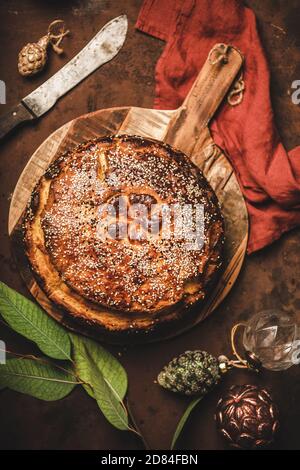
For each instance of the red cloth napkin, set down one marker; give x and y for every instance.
(268, 175)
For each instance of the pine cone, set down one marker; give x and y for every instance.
(247, 417)
(191, 373)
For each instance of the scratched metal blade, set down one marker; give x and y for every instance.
(101, 49)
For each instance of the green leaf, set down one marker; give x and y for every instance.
(184, 419)
(111, 369)
(107, 399)
(110, 405)
(26, 318)
(38, 379)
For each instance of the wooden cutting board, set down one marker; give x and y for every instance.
(185, 128)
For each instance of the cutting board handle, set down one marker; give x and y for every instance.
(208, 91)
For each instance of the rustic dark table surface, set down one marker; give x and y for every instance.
(268, 279)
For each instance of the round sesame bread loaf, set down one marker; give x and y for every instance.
(97, 239)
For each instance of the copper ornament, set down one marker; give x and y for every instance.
(247, 417)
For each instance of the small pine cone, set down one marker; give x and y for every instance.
(247, 417)
(191, 373)
(32, 58)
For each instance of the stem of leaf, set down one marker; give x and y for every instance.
(136, 429)
(43, 361)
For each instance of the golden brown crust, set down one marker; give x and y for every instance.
(125, 283)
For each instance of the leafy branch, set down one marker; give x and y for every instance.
(74, 360)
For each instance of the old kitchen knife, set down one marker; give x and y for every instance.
(102, 48)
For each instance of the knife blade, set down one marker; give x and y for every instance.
(101, 49)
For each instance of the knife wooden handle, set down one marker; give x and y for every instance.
(13, 118)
